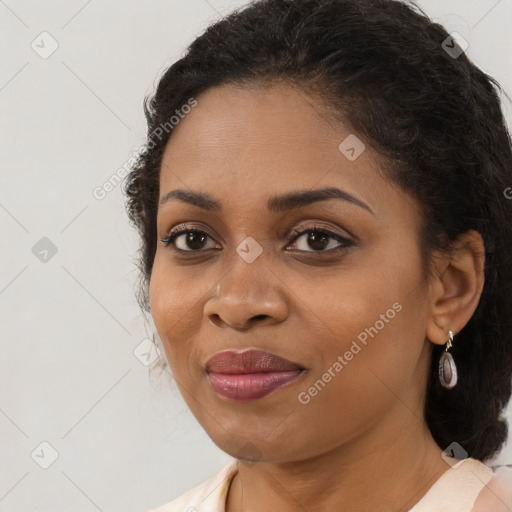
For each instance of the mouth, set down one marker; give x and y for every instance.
(249, 375)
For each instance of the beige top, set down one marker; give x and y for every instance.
(468, 486)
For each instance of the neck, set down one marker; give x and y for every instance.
(397, 459)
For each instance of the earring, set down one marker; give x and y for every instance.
(447, 368)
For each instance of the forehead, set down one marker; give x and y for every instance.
(232, 121)
(252, 143)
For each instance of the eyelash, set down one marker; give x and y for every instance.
(184, 229)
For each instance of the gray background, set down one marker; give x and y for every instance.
(69, 321)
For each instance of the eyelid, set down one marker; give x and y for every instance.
(316, 226)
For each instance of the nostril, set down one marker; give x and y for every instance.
(215, 319)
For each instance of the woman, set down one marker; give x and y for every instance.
(325, 218)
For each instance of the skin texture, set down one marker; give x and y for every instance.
(306, 304)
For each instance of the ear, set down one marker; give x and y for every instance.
(456, 287)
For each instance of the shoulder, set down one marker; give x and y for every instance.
(496, 496)
(209, 496)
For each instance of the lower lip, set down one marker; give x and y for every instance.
(250, 386)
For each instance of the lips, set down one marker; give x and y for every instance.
(249, 361)
(249, 375)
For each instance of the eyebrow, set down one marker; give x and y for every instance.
(275, 204)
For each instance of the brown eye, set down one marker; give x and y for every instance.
(319, 239)
(189, 240)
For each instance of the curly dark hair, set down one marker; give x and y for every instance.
(432, 115)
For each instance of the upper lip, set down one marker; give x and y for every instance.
(248, 361)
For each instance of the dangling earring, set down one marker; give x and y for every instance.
(447, 368)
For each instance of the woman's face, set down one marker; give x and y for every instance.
(352, 314)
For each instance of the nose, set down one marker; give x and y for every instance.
(248, 295)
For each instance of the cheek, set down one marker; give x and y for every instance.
(175, 297)
(348, 303)
(172, 293)
(373, 319)
(364, 366)
(171, 300)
